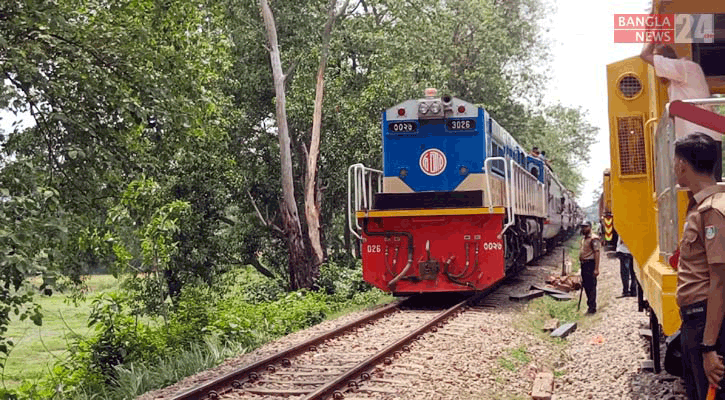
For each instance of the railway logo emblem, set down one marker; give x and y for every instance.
(710, 232)
(432, 162)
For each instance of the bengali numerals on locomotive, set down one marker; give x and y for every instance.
(492, 246)
(374, 248)
(403, 127)
(461, 124)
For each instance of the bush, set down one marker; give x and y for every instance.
(250, 285)
(342, 281)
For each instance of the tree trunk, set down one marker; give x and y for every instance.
(312, 196)
(300, 273)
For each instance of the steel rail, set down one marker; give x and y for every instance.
(330, 388)
(233, 380)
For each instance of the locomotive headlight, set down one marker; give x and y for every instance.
(423, 108)
(435, 108)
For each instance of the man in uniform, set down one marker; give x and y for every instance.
(701, 269)
(589, 260)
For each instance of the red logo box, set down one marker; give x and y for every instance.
(643, 28)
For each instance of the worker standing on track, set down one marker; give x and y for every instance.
(589, 260)
(626, 269)
(701, 268)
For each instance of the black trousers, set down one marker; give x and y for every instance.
(589, 282)
(626, 272)
(691, 331)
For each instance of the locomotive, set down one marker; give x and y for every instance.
(458, 205)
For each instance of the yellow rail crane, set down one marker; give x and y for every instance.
(649, 207)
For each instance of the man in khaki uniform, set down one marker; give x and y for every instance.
(701, 269)
(589, 261)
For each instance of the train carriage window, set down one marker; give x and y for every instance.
(497, 151)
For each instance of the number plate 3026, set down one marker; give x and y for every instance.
(461, 124)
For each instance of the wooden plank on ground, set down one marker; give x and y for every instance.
(560, 297)
(543, 386)
(547, 289)
(526, 296)
(645, 333)
(564, 330)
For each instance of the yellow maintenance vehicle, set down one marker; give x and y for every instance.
(649, 207)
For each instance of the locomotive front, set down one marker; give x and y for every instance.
(434, 225)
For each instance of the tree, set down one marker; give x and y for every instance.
(566, 136)
(300, 266)
(303, 262)
(117, 94)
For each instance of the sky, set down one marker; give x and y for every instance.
(582, 44)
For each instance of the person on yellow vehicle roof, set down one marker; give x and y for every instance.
(684, 80)
(701, 268)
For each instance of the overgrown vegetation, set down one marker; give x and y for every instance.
(125, 357)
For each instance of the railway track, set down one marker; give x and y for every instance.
(324, 366)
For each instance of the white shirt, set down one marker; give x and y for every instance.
(687, 81)
(621, 247)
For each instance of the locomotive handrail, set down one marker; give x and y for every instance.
(510, 214)
(359, 177)
(532, 178)
(488, 181)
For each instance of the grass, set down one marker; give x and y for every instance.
(515, 359)
(37, 348)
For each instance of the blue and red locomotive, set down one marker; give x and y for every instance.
(459, 203)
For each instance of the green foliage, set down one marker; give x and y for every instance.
(249, 286)
(127, 355)
(33, 235)
(566, 136)
(515, 359)
(545, 308)
(342, 281)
